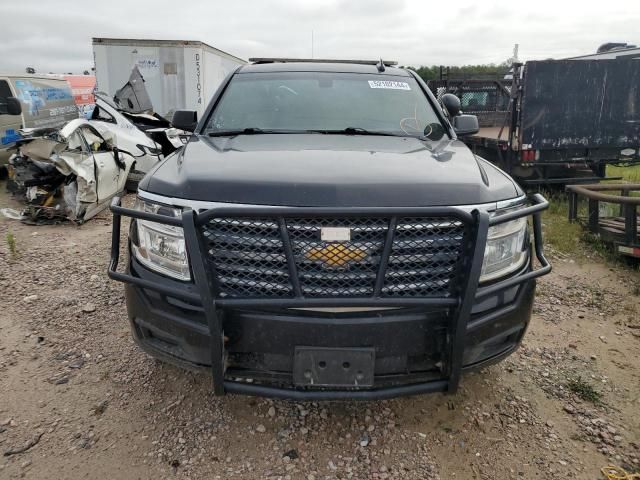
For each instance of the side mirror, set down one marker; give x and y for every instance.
(185, 120)
(465, 125)
(13, 106)
(451, 103)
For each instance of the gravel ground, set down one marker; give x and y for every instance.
(85, 402)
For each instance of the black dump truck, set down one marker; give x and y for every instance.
(325, 235)
(554, 121)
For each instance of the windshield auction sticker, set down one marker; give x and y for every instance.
(389, 84)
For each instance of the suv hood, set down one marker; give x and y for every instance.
(319, 170)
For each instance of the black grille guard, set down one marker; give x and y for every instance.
(477, 221)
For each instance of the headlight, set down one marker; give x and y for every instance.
(506, 250)
(161, 247)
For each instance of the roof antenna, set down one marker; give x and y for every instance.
(380, 66)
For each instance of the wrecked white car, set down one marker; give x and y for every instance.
(147, 138)
(145, 135)
(67, 174)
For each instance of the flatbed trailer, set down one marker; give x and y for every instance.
(554, 121)
(617, 226)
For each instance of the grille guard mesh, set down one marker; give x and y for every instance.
(207, 288)
(249, 257)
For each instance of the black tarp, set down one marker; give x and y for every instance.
(581, 104)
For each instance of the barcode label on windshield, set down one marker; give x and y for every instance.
(389, 84)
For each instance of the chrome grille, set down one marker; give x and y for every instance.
(249, 257)
(326, 277)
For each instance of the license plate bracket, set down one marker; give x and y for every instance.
(333, 367)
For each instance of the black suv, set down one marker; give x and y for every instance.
(324, 235)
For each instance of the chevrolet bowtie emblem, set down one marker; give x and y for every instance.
(336, 254)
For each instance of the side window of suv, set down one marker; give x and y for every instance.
(5, 92)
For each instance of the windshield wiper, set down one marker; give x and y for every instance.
(244, 131)
(356, 131)
(261, 131)
(251, 131)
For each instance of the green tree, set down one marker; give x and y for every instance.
(465, 71)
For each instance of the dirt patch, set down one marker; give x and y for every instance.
(71, 376)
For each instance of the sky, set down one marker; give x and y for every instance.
(55, 36)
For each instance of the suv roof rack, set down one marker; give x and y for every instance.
(321, 60)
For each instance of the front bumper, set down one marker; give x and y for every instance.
(421, 345)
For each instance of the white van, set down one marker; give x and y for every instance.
(32, 101)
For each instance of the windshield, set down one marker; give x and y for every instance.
(322, 102)
(104, 97)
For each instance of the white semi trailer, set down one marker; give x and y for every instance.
(178, 74)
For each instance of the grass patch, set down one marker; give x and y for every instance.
(584, 390)
(563, 236)
(11, 244)
(629, 174)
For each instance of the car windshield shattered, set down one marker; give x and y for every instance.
(300, 102)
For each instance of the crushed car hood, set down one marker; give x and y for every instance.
(329, 170)
(57, 179)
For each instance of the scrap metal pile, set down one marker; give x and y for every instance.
(69, 173)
